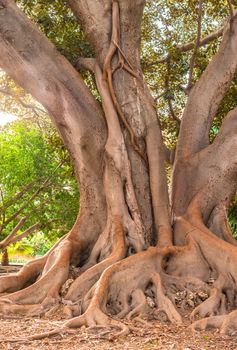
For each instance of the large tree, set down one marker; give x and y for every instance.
(131, 239)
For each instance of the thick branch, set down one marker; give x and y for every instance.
(95, 18)
(34, 63)
(28, 56)
(212, 173)
(201, 107)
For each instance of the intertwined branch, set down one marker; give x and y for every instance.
(122, 63)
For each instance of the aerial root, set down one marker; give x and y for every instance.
(124, 290)
(138, 299)
(163, 302)
(85, 282)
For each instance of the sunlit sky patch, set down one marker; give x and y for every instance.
(6, 118)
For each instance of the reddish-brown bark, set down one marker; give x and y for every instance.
(119, 158)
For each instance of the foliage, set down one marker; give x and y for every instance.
(35, 245)
(166, 25)
(31, 152)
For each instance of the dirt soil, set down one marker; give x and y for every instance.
(159, 335)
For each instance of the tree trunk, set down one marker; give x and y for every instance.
(125, 243)
(5, 258)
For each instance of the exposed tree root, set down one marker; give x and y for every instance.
(138, 304)
(19, 280)
(215, 304)
(227, 324)
(164, 303)
(123, 288)
(209, 322)
(43, 293)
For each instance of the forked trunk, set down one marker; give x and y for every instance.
(125, 243)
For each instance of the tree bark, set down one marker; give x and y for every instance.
(118, 154)
(29, 57)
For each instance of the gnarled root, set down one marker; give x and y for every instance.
(42, 294)
(226, 323)
(17, 281)
(164, 303)
(208, 322)
(95, 317)
(84, 282)
(222, 259)
(229, 324)
(138, 305)
(215, 304)
(121, 290)
(209, 306)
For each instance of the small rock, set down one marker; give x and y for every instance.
(191, 296)
(190, 302)
(150, 302)
(202, 295)
(179, 296)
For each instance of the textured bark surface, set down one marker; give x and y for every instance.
(125, 248)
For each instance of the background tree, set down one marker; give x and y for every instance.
(114, 139)
(38, 190)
